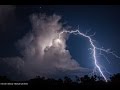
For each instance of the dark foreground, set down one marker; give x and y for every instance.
(84, 82)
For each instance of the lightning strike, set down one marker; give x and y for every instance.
(94, 48)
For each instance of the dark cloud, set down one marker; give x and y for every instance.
(8, 30)
(7, 17)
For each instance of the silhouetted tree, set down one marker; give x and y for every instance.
(67, 83)
(4, 79)
(115, 80)
(77, 79)
(67, 80)
(87, 79)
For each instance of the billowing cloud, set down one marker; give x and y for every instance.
(42, 53)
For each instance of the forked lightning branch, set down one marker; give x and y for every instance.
(94, 48)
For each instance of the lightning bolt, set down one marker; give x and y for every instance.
(94, 49)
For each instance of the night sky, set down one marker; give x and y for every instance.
(103, 19)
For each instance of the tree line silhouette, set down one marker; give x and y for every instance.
(67, 83)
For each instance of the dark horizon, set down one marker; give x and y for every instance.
(66, 83)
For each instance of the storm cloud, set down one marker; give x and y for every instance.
(41, 53)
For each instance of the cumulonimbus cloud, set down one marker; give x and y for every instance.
(41, 53)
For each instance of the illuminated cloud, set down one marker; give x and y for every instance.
(42, 52)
